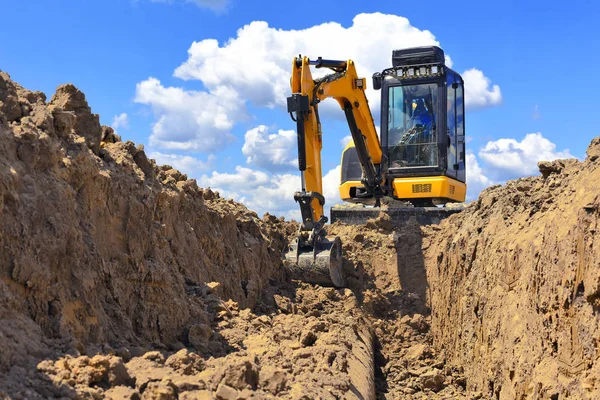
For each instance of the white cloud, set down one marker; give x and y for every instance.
(259, 191)
(272, 193)
(476, 178)
(331, 184)
(274, 152)
(190, 120)
(216, 5)
(536, 112)
(345, 140)
(256, 63)
(254, 67)
(275, 196)
(185, 164)
(120, 121)
(243, 178)
(478, 92)
(509, 158)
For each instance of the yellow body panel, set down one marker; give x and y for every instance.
(441, 187)
(429, 187)
(345, 190)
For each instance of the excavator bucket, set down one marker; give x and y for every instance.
(321, 265)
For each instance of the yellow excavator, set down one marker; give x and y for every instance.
(419, 160)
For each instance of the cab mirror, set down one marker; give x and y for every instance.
(377, 79)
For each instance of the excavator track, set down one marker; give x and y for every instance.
(423, 215)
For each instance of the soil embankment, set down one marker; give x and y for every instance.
(123, 279)
(515, 284)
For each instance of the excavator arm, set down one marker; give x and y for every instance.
(349, 90)
(313, 257)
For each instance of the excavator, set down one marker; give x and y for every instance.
(418, 162)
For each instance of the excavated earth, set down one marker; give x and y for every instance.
(123, 279)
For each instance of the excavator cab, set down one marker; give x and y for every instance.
(422, 133)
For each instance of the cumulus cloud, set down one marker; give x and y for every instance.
(186, 164)
(257, 190)
(510, 158)
(479, 93)
(276, 196)
(188, 119)
(216, 5)
(476, 178)
(331, 184)
(257, 62)
(254, 67)
(345, 140)
(242, 178)
(272, 193)
(120, 121)
(272, 151)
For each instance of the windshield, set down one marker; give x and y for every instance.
(412, 137)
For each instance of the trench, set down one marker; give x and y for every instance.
(394, 298)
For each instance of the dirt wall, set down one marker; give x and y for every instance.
(102, 245)
(514, 284)
(120, 278)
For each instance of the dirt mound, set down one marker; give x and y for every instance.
(505, 292)
(122, 279)
(100, 245)
(299, 346)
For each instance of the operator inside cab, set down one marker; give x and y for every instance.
(412, 133)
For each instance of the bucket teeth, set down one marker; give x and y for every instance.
(322, 265)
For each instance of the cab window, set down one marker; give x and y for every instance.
(451, 123)
(455, 126)
(412, 136)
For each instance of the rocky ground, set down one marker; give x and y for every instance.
(305, 342)
(123, 279)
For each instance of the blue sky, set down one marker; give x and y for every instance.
(541, 56)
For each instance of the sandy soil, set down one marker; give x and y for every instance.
(123, 279)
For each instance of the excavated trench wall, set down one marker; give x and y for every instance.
(100, 244)
(514, 285)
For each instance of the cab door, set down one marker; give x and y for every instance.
(455, 127)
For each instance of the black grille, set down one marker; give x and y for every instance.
(351, 170)
(418, 55)
(421, 188)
